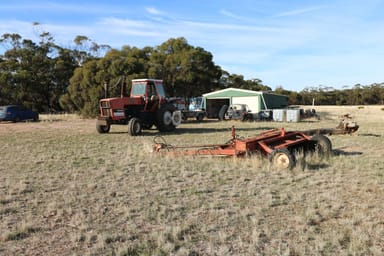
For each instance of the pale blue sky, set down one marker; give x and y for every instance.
(294, 44)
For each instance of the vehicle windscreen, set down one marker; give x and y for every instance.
(160, 90)
(195, 103)
(2, 109)
(138, 89)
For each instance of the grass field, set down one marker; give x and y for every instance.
(66, 190)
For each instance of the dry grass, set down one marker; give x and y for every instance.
(66, 190)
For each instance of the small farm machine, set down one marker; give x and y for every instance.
(146, 106)
(346, 126)
(277, 144)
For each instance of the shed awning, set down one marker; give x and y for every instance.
(230, 92)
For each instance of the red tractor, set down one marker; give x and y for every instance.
(146, 106)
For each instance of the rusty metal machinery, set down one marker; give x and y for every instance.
(278, 145)
(346, 126)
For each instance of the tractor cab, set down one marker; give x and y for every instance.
(147, 88)
(150, 90)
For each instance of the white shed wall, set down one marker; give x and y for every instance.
(252, 102)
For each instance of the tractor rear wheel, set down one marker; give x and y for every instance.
(164, 118)
(321, 145)
(134, 126)
(176, 118)
(282, 159)
(103, 128)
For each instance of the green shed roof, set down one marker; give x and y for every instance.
(231, 92)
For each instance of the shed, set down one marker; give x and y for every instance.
(256, 100)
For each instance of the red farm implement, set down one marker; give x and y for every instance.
(277, 144)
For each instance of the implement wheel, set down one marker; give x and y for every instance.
(134, 126)
(321, 145)
(282, 159)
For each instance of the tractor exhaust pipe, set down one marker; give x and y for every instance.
(106, 85)
(123, 92)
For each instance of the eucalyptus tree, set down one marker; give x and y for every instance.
(186, 70)
(33, 74)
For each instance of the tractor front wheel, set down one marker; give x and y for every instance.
(282, 159)
(134, 126)
(103, 128)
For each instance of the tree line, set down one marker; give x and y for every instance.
(358, 94)
(50, 78)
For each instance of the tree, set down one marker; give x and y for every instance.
(83, 92)
(187, 71)
(34, 74)
(256, 85)
(237, 81)
(85, 49)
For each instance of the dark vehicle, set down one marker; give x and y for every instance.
(16, 113)
(238, 112)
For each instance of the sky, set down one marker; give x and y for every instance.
(294, 44)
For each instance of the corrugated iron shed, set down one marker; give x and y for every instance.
(256, 100)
